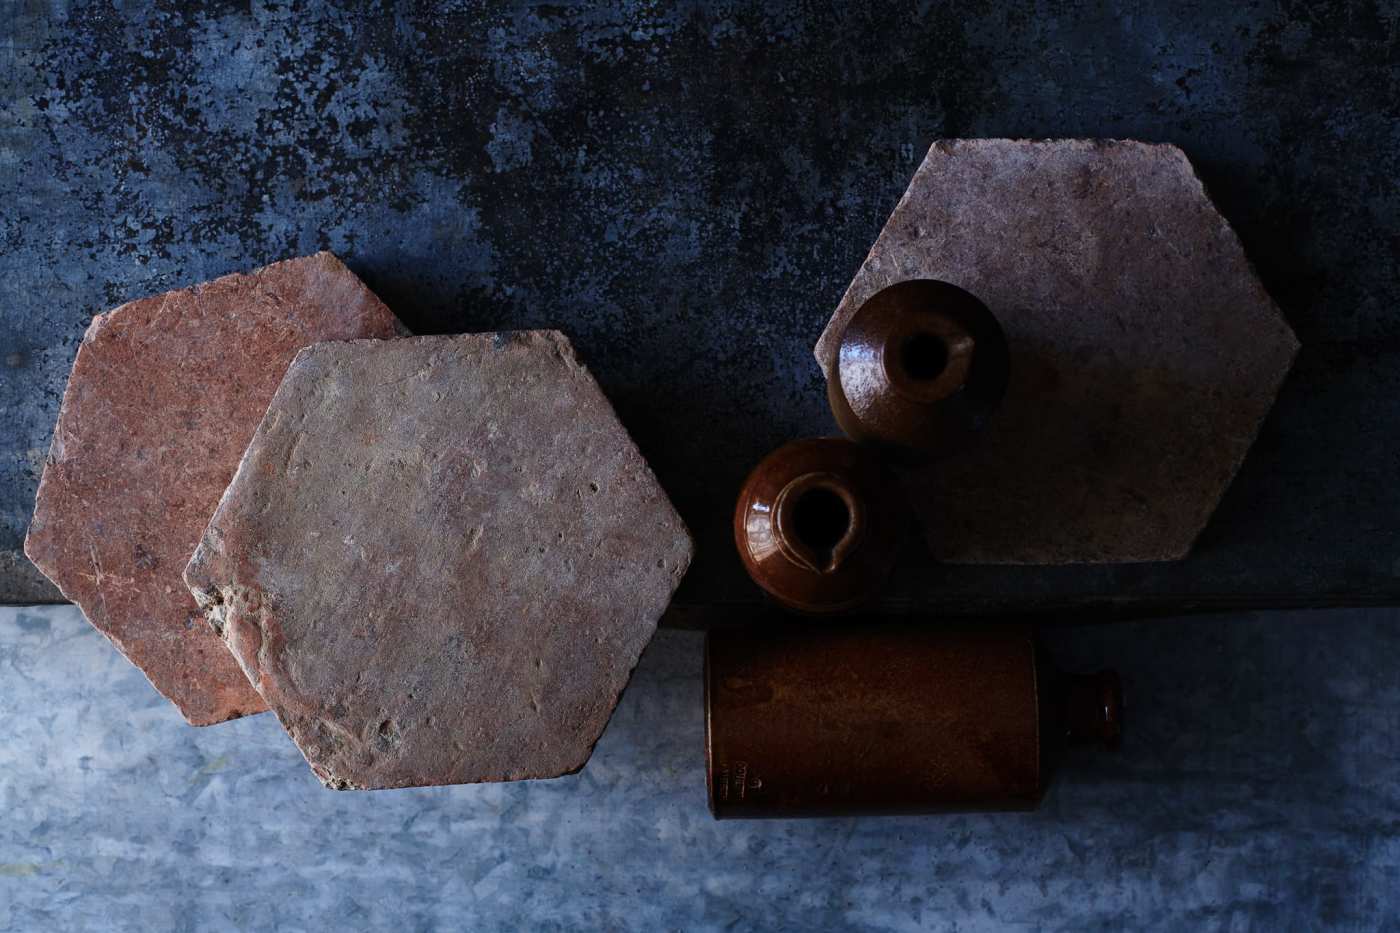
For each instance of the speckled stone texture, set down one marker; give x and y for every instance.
(1144, 350)
(440, 559)
(163, 398)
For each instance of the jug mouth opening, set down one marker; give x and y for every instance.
(924, 365)
(818, 521)
(923, 356)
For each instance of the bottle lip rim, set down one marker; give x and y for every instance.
(1093, 709)
(1112, 686)
(800, 553)
(709, 734)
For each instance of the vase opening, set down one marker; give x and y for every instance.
(923, 357)
(821, 520)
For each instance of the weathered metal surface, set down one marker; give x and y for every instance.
(687, 190)
(1251, 791)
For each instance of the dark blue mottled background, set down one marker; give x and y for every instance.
(687, 188)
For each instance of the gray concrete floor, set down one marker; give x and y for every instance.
(1258, 788)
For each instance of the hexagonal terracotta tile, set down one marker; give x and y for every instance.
(440, 559)
(1145, 352)
(164, 396)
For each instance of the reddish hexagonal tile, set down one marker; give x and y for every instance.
(1145, 351)
(440, 559)
(164, 396)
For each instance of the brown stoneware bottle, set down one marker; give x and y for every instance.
(818, 523)
(920, 368)
(891, 718)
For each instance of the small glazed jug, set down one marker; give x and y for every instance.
(920, 368)
(818, 524)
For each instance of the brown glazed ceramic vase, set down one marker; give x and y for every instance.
(818, 523)
(890, 718)
(920, 368)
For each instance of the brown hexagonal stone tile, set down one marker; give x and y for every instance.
(1145, 352)
(164, 396)
(440, 559)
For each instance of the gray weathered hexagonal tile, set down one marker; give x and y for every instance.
(164, 395)
(440, 559)
(1145, 351)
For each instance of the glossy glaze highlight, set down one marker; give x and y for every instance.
(817, 524)
(920, 368)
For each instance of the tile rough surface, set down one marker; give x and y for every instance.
(440, 559)
(1145, 352)
(164, 395)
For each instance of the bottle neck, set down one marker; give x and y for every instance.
(1091, 709)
